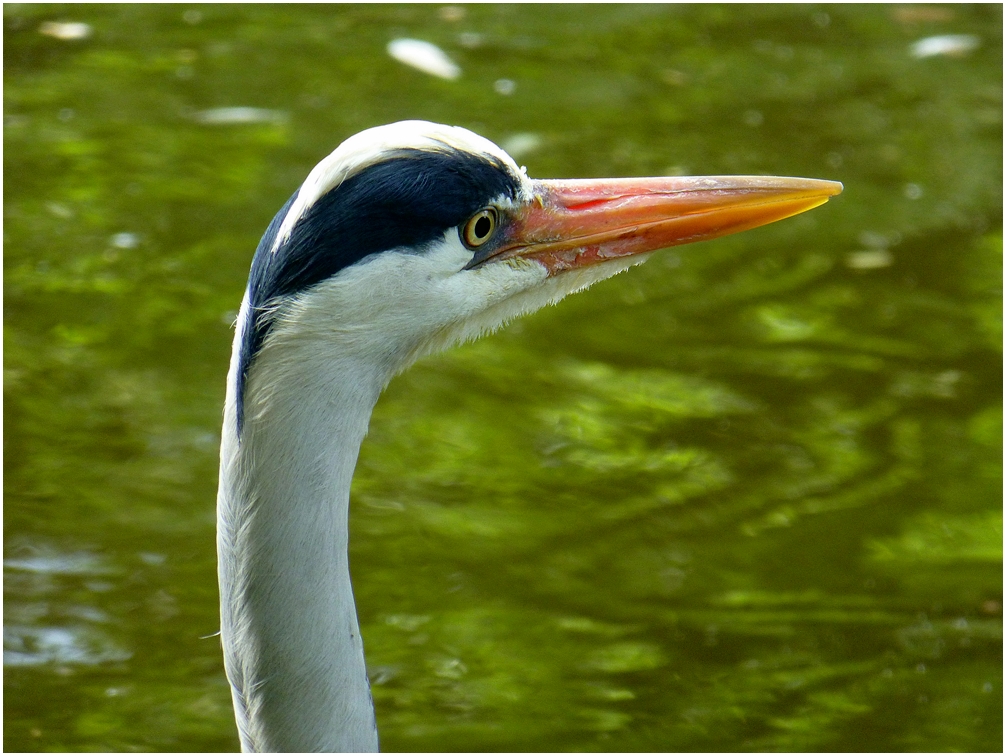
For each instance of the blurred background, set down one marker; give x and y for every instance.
(747, 496)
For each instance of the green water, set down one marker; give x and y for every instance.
(745, 497)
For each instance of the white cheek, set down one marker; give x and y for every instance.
(392, 308)
(389, 306)
(470, 292)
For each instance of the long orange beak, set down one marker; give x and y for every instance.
(579, 222)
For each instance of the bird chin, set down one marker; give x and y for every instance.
(572, 280)
(548, 289)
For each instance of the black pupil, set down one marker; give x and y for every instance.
(482, 227)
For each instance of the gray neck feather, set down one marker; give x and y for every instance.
(289, 628)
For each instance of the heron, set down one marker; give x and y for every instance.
(407, 239)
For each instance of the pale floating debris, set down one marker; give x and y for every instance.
(125, 240)
(955, 45)
(59, 210)
(452, 13)
(65, 30)
(505, 87)
(408, 622)
(869, 259)
(520, 144)
(676, 170)
(674, 77)
(423, 56)
(915, 14)
(471, 40)
(913, 191)
(822, 20)
(874, 240)
(238, 115)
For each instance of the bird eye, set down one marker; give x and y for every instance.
(479, 228)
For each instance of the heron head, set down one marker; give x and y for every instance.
(414, 236)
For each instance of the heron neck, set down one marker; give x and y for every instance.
(289, 627)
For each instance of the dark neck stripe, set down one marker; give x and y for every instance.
(405, 202)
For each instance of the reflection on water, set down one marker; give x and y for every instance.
(36, 644)
(28, 646)
(746, 496)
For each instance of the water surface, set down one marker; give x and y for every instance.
(747, 496)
